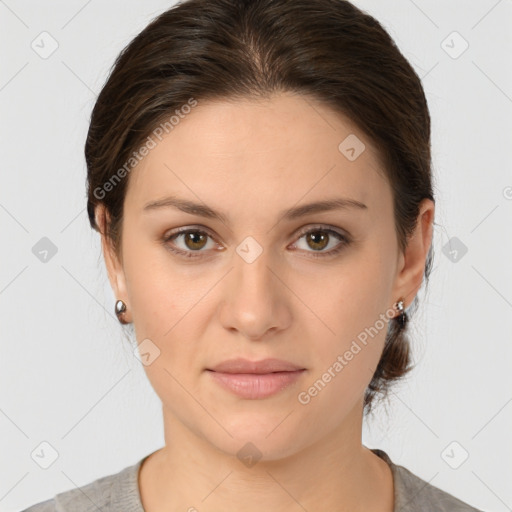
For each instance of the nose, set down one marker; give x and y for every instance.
(255, 299)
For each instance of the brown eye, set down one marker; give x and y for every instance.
(317, 240)
(190, 243)
(194, 240)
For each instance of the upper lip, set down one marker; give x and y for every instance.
(241, 365)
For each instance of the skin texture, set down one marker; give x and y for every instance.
(251, 159)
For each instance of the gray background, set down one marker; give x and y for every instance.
(68, 376)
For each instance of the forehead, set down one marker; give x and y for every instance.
(254, 152)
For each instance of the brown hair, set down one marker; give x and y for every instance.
(214, 49)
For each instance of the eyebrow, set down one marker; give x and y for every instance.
(340, 203)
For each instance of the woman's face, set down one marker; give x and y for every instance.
(313, 288)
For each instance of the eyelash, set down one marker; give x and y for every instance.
(344, 241)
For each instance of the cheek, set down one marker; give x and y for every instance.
(164, 302)
(353, 296)
(342, 372)
(160, 293)
(355, 309)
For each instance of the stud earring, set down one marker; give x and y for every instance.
(120, 309)
(402, 318)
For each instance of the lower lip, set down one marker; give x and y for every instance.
(254, 386)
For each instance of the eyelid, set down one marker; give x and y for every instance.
(322, 227)
(185, 229)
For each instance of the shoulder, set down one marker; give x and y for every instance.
(118, 492)
(412, 493)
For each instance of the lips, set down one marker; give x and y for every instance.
(255, 379)
(241, 365)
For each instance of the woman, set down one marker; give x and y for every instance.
(260, 175)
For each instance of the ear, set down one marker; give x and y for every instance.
(113, 264)
(412, 261)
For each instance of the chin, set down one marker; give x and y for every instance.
(258, 436)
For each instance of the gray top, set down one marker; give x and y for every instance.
(120, 493)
